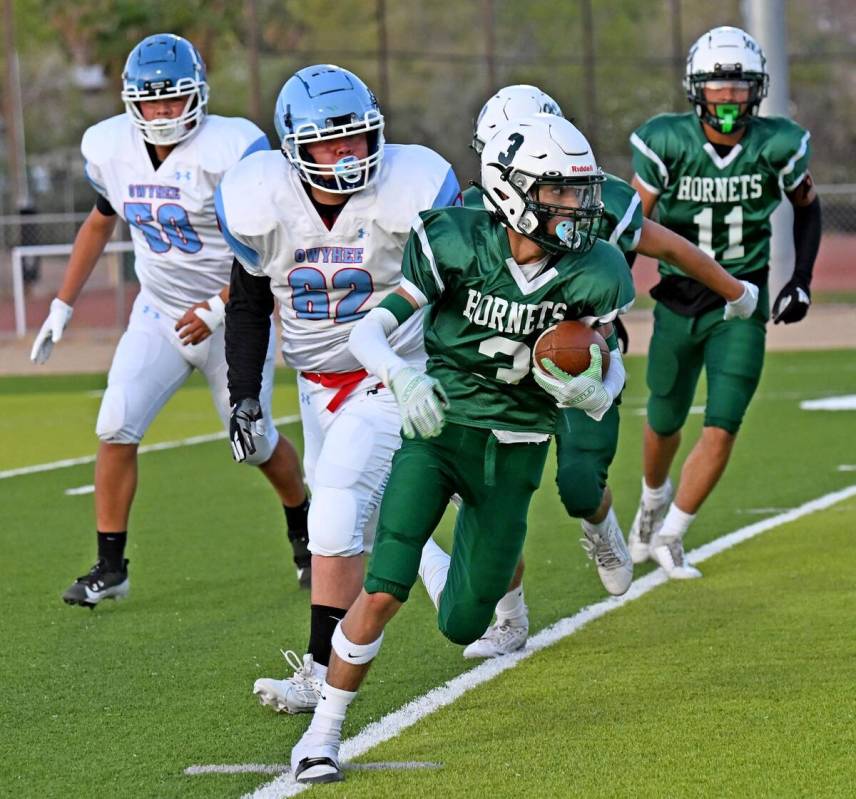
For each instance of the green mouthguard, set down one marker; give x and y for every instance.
(727, 114)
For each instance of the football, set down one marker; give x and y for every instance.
(567, 345)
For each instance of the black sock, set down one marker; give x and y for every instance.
(298, 533)
(324, 621)
(295, 517)
(111, 548)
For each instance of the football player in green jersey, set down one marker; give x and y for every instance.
(478, 422)
(715, 174)
(585, 448)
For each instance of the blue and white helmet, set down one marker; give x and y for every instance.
(325, 102)
(162, 67)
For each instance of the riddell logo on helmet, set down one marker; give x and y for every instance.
(587, 168)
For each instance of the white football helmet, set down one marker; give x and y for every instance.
(721, 56)
(511, 102)
(540, 168)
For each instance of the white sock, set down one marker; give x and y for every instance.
(434, 569)
(330, 712)
(653, 497)
(512, 610)
(600, 527)
(676, 522)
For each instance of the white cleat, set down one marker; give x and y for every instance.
(668, 551)
(316, 760)
(648, 520)
(609, 552)
(499, 639)
(297, 694)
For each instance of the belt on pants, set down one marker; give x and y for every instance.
(346, 382)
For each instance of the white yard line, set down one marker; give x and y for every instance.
(76, 492)
(391, 725)
(281, 768)
(184, 442)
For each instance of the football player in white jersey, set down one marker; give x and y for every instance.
(157, 166)
(321, 227)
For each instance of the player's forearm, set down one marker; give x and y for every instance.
(247, 333)
(659, 242)
(369, 339)
(615, 375)
(807, 229)
(89, 243)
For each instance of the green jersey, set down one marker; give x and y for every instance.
(486, 311)
(622, 219)
(722, 203)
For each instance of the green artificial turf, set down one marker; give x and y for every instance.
(118, 701)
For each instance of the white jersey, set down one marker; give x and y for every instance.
(325, 280)
(181, 257)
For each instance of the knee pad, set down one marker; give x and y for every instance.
(580, 487)
(264, 449)
(465, 624)
(334, 526)
(349, 652)
(110, 426)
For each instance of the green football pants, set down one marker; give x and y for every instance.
(585, 449)
(496, 482)
(732, 354)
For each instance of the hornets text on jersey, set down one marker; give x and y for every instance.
(722, 203)
(486, 311)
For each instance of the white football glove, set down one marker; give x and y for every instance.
(585, 391)
(51, 332)
(744, 306)
(421, 401)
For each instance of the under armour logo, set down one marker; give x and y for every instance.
(362, 233)
(185, 175)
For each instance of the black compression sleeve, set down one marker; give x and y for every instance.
(807, 225)
(630, 257)
(247, 332)
(103, 205)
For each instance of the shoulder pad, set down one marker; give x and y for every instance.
(103, 141)
(223, 141)
(252, 191)
(413, 175)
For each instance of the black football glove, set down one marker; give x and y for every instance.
(792, 303)
(245, 423)
(621, 332)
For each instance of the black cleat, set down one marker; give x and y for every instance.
(88, 590)
(302, 556)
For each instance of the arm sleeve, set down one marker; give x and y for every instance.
(103, 205)
(247, 332)
(369, 342)
(807, 227)
(622, 215)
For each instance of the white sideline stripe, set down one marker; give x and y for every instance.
(184, 442)
(847, 467)
(695, 410)
(74, 492)
(281, 768)
(842, 403)
(391, 725)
